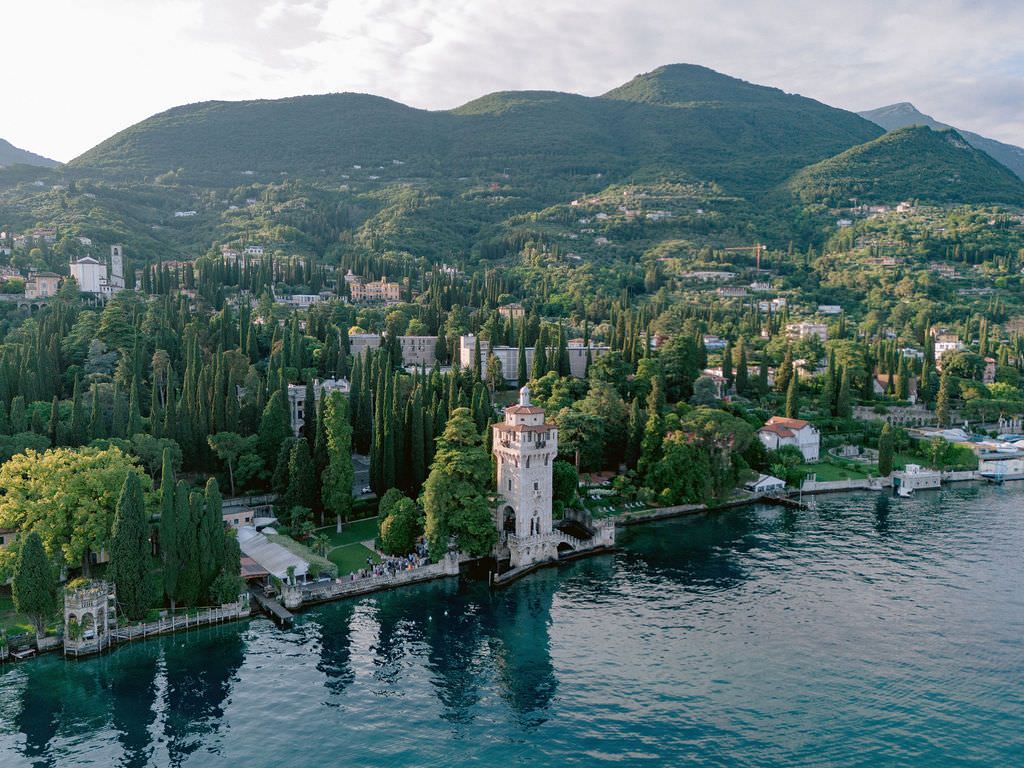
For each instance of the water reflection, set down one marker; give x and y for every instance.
(519, 620)
(335, 634)
(132, 683)
(882, 513)
(198, 671)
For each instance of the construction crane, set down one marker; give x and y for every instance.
(757, 248)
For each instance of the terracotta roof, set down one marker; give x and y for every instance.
(791, 423)
(524, 409)
(777, 429)
(525, 427)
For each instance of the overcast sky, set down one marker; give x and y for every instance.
(77, 71)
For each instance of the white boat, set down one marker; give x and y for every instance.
(904, 492)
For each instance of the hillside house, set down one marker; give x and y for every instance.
(779, 431)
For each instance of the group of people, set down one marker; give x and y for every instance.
(392, 566)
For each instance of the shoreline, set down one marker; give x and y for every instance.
(626, 519)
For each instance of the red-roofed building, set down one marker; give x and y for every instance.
(779, 431)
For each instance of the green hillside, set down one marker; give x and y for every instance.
(906, 114)
(12, 155)
(685, 119)
(910, 163)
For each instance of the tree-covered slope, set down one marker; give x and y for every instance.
(910, 163)
(906, 114)
(11, 155)
(684, 119)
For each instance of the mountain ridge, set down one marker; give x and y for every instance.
(917, 162)
(749, 137)
(903, 114)
(12, 155)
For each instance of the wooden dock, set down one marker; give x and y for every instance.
(272, 608)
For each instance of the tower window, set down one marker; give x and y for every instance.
(510, 483)
(536, 486)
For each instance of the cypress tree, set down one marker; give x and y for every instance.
(19, 418)
(34, 584)
(211, 536)
(78, 429)
(784, 372)
(168, 531)
(54, 422)
(540, 355)
(727, 364)
(301, 488)
(521, 359)
(129, 550)
(134, 426)
(636, 434)
(336, 485)
(844, 403)
(942, 401)
(793, 398)
(742, 375)
(885, 450)
(120, 419)
(188, 514)
(309, 415)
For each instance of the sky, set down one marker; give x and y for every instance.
(77, 71)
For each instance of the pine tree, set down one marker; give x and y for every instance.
(129, 550)
(34, 585)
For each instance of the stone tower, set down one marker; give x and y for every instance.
(116, 267)
(525, 447)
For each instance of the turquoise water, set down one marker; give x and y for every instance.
(865, 632)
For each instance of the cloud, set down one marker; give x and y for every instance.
(96, 66)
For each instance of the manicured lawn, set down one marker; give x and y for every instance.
(827, 472)
(12, 622)
(351, 557)
(351, 533)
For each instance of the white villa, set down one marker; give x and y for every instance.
(779, 431)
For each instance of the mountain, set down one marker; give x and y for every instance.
(909, 163)
(680, 119)
(906, 114)
(11, 155)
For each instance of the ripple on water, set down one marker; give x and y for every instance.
(857, 633)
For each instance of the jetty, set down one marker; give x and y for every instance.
(272, 608)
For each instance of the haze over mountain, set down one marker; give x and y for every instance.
(906, 114)
(12, 155)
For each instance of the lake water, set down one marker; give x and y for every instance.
(864, 632)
